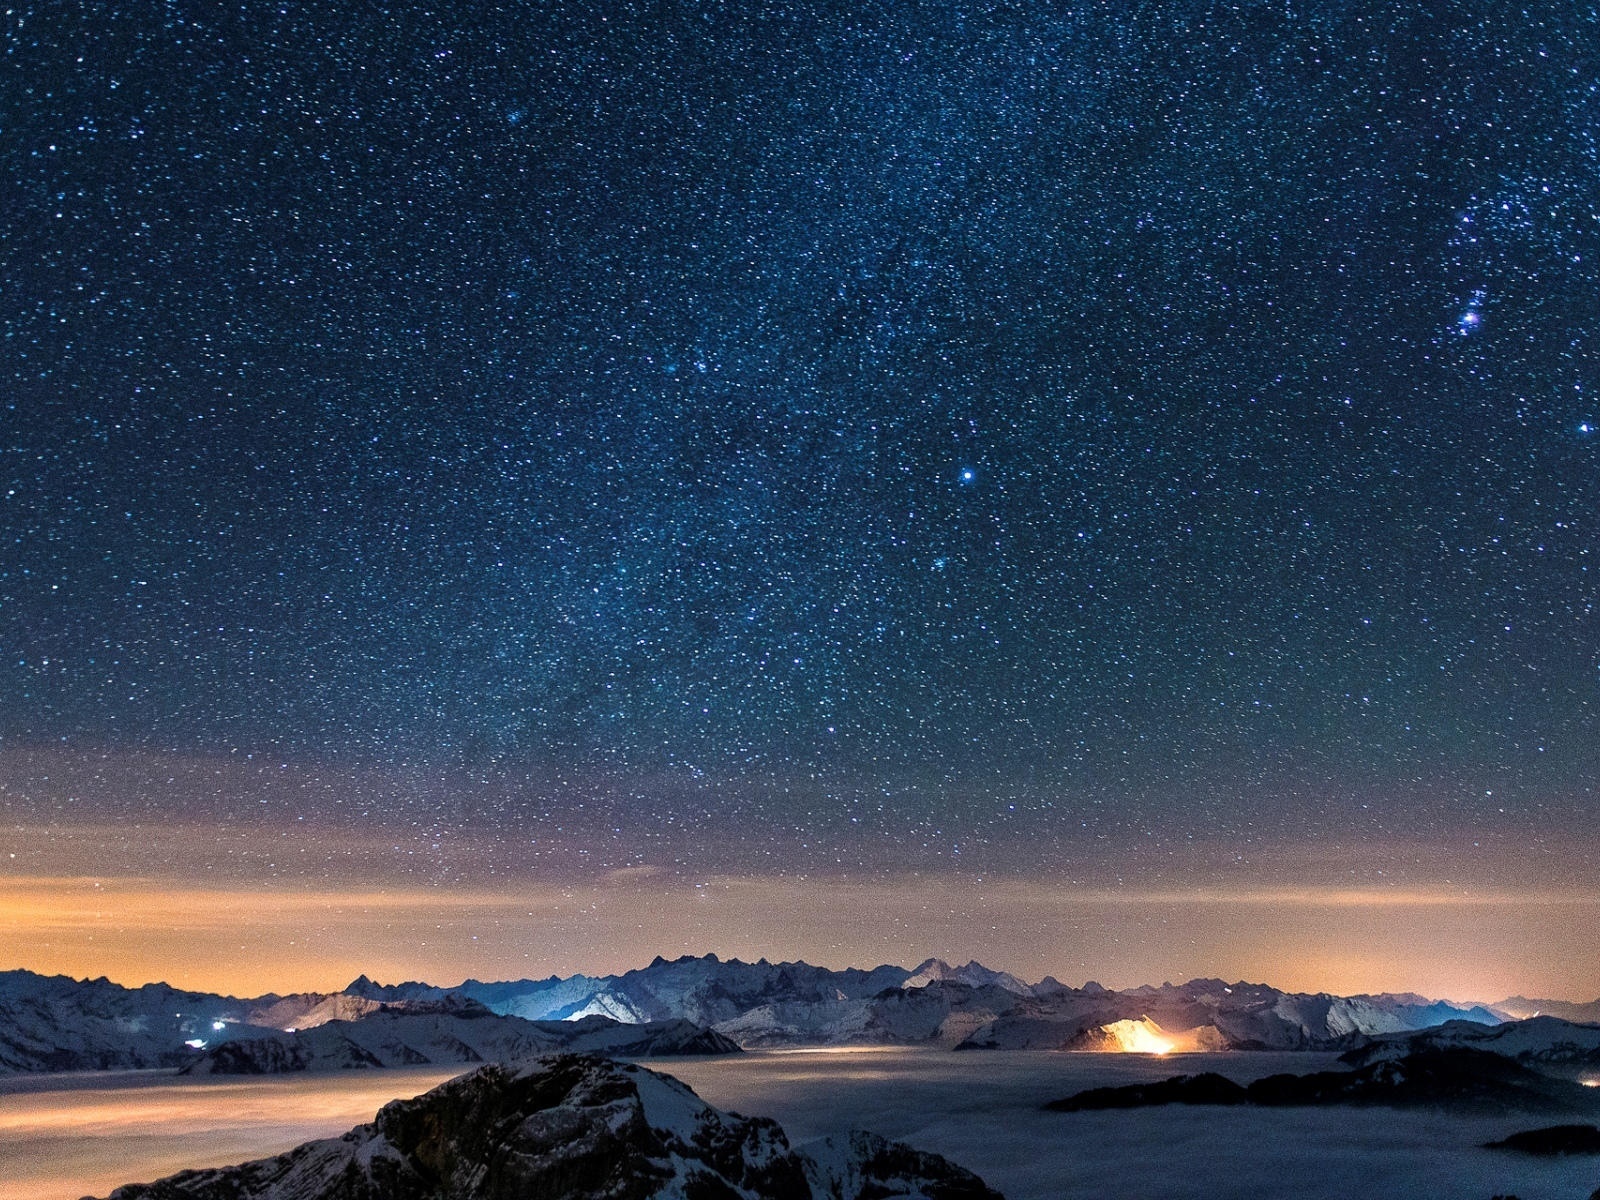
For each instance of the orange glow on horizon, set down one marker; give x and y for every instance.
(249, 941)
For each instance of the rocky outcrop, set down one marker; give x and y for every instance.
(573, 1127)
(1457, 1078)
(1553, 1141)
(1206, 1088)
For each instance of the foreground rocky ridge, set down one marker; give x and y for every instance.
(572, 1127)
(59, 1024)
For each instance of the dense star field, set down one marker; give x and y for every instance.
(778, 437)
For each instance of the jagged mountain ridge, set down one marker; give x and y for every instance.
(788, 1004)
(1544, 1042)
(55, 1023)
(705, 990)
(448, 1032)
(573, 1127)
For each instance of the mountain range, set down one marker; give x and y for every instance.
(764, 1004)
(686, 1005)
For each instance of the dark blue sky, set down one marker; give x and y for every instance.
(866, 431)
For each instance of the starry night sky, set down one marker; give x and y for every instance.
(780, 435)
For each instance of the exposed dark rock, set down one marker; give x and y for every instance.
(1552, 1141)
(1453, 1078)
(1208, 1088)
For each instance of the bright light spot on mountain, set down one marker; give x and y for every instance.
(197, 1043)
(1143, 1036)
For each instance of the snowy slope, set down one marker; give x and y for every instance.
(382, 1039)
(447, 1032)
(974, 974)
(1538, 1041)
(53, 1023)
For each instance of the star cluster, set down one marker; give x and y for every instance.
(863, 432)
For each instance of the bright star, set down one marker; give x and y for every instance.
(1470, 319)
(968, 475)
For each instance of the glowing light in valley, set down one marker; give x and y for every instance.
(1143, 1036)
